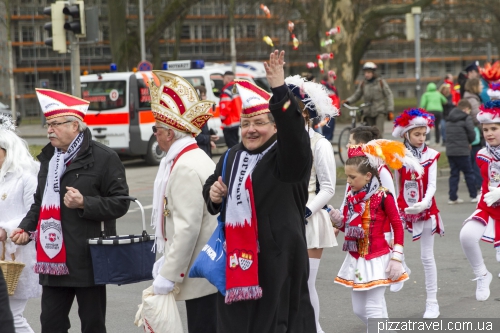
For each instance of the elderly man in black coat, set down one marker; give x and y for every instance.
(78, 185)
(269, 171)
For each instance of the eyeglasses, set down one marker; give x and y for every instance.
(155, 128)
(258, 124)
(54, 125)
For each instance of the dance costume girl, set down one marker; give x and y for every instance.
(416, 196)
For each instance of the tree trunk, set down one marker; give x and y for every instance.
(177, 45)
(118, 33)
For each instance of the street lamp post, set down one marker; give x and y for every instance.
(141, 30)
(416, 11)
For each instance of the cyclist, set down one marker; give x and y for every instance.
(376, 92)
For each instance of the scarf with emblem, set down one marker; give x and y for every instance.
(354, 207)
(242, 275)
(50, 247)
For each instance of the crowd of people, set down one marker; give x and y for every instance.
(270, 190)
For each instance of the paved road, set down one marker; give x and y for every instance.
(456, 291)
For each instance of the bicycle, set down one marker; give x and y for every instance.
(344, 135)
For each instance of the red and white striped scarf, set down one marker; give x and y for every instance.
(50, 247)
(242, 278)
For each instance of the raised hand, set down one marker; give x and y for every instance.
(274, 69)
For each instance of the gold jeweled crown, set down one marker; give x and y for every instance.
(175, 103)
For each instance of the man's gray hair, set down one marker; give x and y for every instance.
(271, 117)
(81, 125)
(177, 134)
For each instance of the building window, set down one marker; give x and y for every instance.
(251, 31)
(206, 32)
(186, 32)
(401, 68)
(384, 69)
(401, 93)
(448, 67)
(28, 34)
(29, 81)
(433, 69)
(105, 32)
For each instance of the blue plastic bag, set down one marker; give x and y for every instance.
(211, 262)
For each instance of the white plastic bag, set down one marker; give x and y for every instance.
(158, 313)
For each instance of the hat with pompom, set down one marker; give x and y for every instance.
(412, 118)
(489, 112)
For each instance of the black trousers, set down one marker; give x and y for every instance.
(202, 314)
(6, 320)
(231, 136)
(57, 302)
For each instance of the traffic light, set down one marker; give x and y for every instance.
(57, 41)
(77, 24)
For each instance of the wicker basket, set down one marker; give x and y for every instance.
(11, 271)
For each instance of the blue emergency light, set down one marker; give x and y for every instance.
(183, 64)
(113, 67)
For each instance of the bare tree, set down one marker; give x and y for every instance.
(359, 21)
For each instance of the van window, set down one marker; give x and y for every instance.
(105, 95)
(196, 81)
(144, 96)
(218, 84)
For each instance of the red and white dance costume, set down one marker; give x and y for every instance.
(484, 223)
(415, 191)
(364, 268)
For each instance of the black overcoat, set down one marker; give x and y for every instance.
(280, 182)
(99, 175)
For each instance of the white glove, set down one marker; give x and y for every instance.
(395, 270)
(417, 208)
(492, 196)
(336, 217)
(162, 286)
(157, 266)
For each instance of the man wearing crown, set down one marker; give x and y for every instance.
(180, 217)
(78, 185)
(266, 192)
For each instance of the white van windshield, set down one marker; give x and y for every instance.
(105, 95)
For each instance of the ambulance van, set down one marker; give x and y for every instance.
(120, 116)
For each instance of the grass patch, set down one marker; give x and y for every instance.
(443, 162)
(35, 150)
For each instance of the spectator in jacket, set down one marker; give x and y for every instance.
(454, 89)
(230, 110)
(375, 92)
(473, 88)
(473, 73)
(329, 83)
(445, 90)
(460, 133)
(78, 185)
(206, 140)
(433, 101)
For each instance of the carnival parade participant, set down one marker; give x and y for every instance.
(264, 213)
(484, 224)
(416, 196)
(78, 183)
(370, 265)
(314, 102)
(18, 172)
(362, 135)
(180, 217)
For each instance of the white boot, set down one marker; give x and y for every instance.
(431, 310)
(483, 287)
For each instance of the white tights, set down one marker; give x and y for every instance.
(369, 304)
(313, 294)
(427, 256)
(17, 307)
(470, 235)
